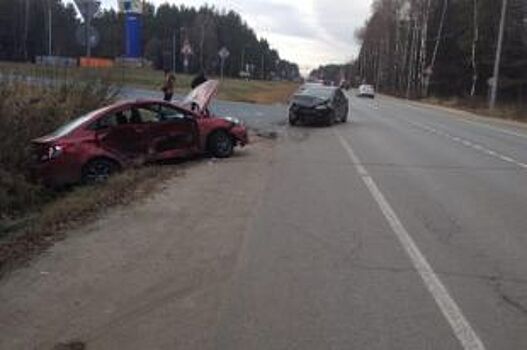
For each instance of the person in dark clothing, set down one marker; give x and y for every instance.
(198, 80)
(168, 86)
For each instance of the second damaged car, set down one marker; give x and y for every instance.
(318, 104)
(92, 147)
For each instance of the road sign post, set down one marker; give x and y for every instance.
(88, 9)
(224, 54)
(186, 51)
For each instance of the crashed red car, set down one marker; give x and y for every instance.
(92, 147)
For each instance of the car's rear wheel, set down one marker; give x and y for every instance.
(220, 144)
(98, 171)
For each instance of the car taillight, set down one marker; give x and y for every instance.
(52, 152)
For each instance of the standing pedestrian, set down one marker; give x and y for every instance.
(168, 85)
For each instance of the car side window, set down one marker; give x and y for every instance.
(149, 114)
(112, 120)
(170, 113)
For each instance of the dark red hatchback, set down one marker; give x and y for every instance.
(92, 147)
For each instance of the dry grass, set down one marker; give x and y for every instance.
(68, 210)
(252, 91)
(263, 92)
(480, 107)
(31, 216)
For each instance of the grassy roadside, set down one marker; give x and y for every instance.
(252, 91)
(33, 233)
(480, 108)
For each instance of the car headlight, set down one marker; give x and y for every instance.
(322, 106)
(52, 153)
(233, 120)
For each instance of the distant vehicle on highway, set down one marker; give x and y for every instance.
(318, 104)
(92, 147)
(366, 90)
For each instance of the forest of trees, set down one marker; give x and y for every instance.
(24, 35)
(417, 48)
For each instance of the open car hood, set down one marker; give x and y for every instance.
(200, 98)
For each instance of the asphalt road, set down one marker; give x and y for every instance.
(402, 229)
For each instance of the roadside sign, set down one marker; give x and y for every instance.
(187, 49)
(224, 53)
(93, 36)
(88, 8)
(131, 6)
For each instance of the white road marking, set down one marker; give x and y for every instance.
(451, 311)
(473, 122)
(469, 144)
(495, 128)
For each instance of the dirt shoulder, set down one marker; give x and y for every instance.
(127, 279)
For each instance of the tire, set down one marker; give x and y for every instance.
(220, 144)
(345, 117)
(294, 120)
(98, 171)
(331, 118)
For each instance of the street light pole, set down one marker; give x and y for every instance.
(50, 29)
(87, 20)
(174, 50)
(497, 60)
(243, 60)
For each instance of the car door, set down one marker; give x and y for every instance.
(173, 133)
(122, 133)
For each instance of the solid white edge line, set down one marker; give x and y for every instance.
(451, 311)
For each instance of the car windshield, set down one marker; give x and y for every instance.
(316, 91)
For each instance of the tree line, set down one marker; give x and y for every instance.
(25, 23)
(417, 48)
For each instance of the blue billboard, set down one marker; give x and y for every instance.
(133, 35)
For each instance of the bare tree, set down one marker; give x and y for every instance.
(436, 48)
(497, 60)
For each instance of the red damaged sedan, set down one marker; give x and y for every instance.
(92, 147)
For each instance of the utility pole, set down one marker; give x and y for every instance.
(497, 60)
(50, 29)
(263, 67)
(174, 50)
(243, 60)
(87, 23)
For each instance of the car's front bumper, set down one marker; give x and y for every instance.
(240, 134)
(311, 115)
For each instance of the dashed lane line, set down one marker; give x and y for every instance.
(448, 306)
(467, 143)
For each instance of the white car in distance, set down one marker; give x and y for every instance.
(366, 90)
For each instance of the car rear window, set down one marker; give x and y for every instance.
(72, 125)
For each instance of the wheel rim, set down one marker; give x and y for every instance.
(223, 144)
(98, 172)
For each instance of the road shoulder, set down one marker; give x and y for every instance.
(118, 282)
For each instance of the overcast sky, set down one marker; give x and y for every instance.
(308, 32)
